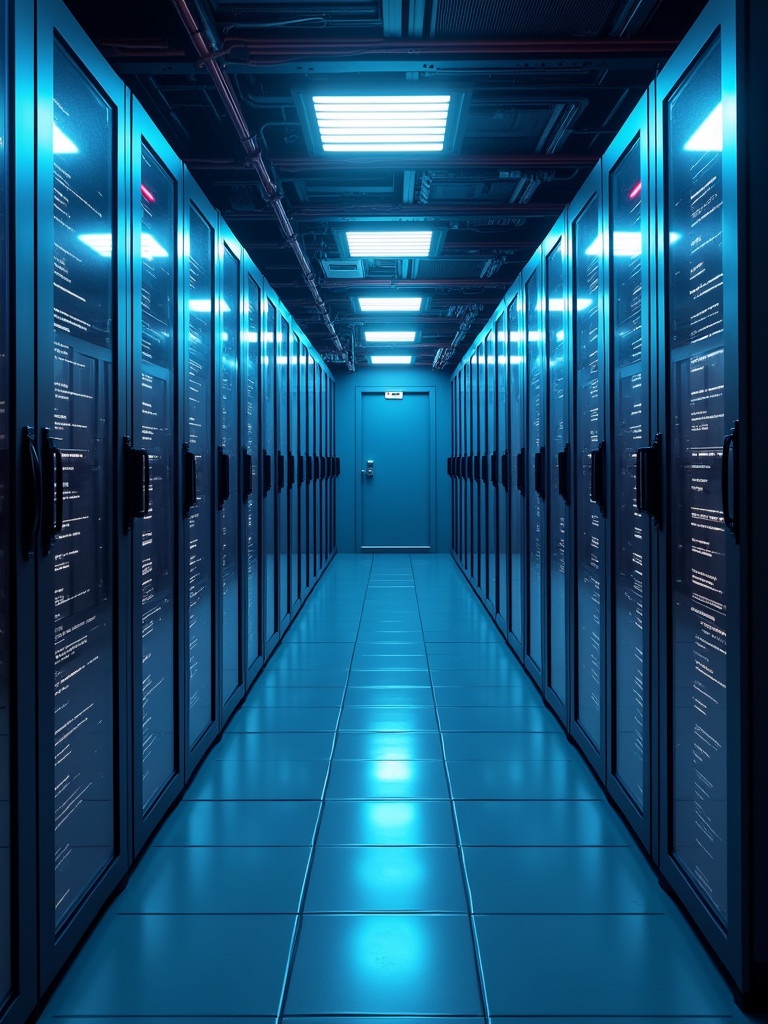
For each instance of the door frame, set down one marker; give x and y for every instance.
(368, 389)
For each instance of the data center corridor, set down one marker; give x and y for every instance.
(393, 827)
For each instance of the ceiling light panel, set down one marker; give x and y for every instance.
(390, 336)
(391, 360)
(390, 303)
(395, 244)
(382, 124)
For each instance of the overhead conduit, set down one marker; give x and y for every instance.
(205, 43)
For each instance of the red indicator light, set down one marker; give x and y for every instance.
(147, 194)
(636, 190)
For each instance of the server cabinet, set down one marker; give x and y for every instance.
(502, 476)
(311, 486)
(473, 393)
(303, 463)
(83, 550)
(282, 397)
(269, 445)
(296, 589)
(589, 475)
(253, 467)
(704, 851)
(517, 489)
(631, 609)
(535, 454)
(18, 474)
(482, 467)
(556, 476)
(198, 501)
(228, 484)
(320, 466)
(150, 451)
(466, 459)
(493, 471)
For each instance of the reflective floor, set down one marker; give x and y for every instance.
(393, 828)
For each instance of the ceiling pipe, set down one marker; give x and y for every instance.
(206, 45)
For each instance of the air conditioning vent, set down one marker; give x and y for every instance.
(343, 268)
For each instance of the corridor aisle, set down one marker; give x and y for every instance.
(393, 828)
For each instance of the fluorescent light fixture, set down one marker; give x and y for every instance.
(391, 360)
(390, 303)
(62, 143)
(396, 336)
(399, 244)
(151, 248)
(204, 306)
(382, 124)
(708, 137)
(100, 242)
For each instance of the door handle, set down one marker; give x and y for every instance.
(136, 468)
(368, 471)
(562, 474)
(520, 471)
(224, 478)
(32, 493)
(539, 472)
(53, 490)
(648, 480)
(730, 515)
(597, 477)
(189, 466)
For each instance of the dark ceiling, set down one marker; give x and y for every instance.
(545, 86)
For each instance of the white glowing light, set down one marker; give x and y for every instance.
(398, 244)
(382, 124)
(708, 137)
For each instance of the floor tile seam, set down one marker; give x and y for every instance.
(296, 934)
(479, 972)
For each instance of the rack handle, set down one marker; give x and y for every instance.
(648, 480)
(563, 460)
(730, 448)
(520, 471)
(225, 488)
(52, 471)
(32, 493)
(247, 474)
(597, 477)
(189, 468)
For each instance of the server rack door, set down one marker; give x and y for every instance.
(304, 366)
(83, 564)
(18, 647)
(293, 479)
(334, 450)
(557, 475)
(321, 488)
(227, 483)
(482, 475)
(198, 468)
(502, 470)
(517, 477)
(253, 470)
(631, 610)
(328, 410)
(311, 442)
(466, 490)
(492, 599)
(151, 452)
(474, 469)
(282, 398)
(535, 363)
(269, 473)
(701, 826)
(451, 463)
(589, 501)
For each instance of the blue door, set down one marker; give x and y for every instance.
(395, 440)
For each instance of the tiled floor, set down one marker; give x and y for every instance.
(393, 828)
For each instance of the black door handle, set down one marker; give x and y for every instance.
(189, 469)
(563, 488)
(136, 476)
(730, 447)
(266, 472)
(32, 493)
(247, 474)
(539, 472)
(224, 477)
(520, 471)
(597, 477)
(648, 480)
(52, 472)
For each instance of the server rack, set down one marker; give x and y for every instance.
(501, 470)
(535, 451)
(269, 444)
(294, 487)
(252, 473)
(228, 486)
(518, 415)
(200, 635)
(631, 371)
(589, 478)
(282, 394)
(150, 451)
(556, 476)
(83, 598)
(19, 522)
